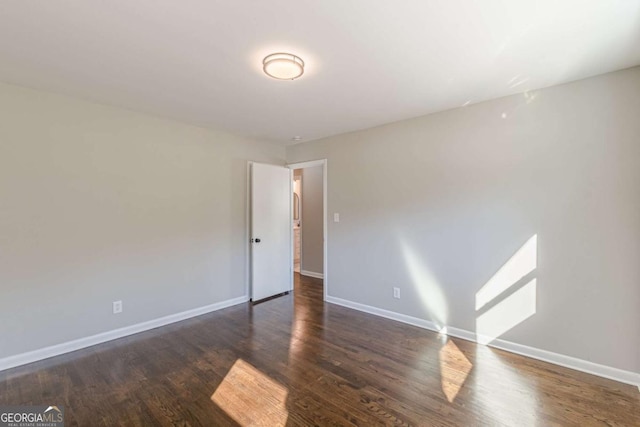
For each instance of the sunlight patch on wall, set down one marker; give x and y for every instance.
(508, 313)
(454, 369)
(519, 265)
(251, 397)
(426, 285)
(503, 307)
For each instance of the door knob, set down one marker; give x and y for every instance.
(257, 240)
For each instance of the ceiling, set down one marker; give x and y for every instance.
(368, 62)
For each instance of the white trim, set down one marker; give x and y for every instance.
(609, 372)
(627, 377)
(67, 347)
(325, 229)
(421, 323)
(291, 234)
(300, 221)
(247, 234)
(325, 216)
(308, 164)
(312, 274)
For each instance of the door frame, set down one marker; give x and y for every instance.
(325, 249)
(293, 237)
(248, 272)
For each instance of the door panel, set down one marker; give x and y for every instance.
(271, 253)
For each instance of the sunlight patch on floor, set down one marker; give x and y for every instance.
(251, 398)
(454, 369)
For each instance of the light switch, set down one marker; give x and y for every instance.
(336, 217)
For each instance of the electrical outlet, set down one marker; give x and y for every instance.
(336, 217)
(396, 293)
(117, 307)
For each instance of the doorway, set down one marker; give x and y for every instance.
(309, 221)
(270, 228)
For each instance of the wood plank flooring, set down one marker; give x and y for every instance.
(295, 361)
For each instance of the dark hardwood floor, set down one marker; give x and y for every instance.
(295, 360)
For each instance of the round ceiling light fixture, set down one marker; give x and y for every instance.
(283, 66)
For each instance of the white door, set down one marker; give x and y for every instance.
(271, 228)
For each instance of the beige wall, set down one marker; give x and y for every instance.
(99, 204)
(438, 204)
(312, 220)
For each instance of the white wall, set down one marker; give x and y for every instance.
(99, 204)
(438, 204)
(312, 220)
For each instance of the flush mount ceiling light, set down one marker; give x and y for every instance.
(283, 66)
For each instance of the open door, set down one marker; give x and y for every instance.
(271, 262)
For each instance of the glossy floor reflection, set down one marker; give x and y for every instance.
(303, 362)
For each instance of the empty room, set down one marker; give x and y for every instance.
(296, 213)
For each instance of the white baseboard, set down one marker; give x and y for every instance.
(67, 347)
(421, 323)
(627, 377)
(312, 274)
